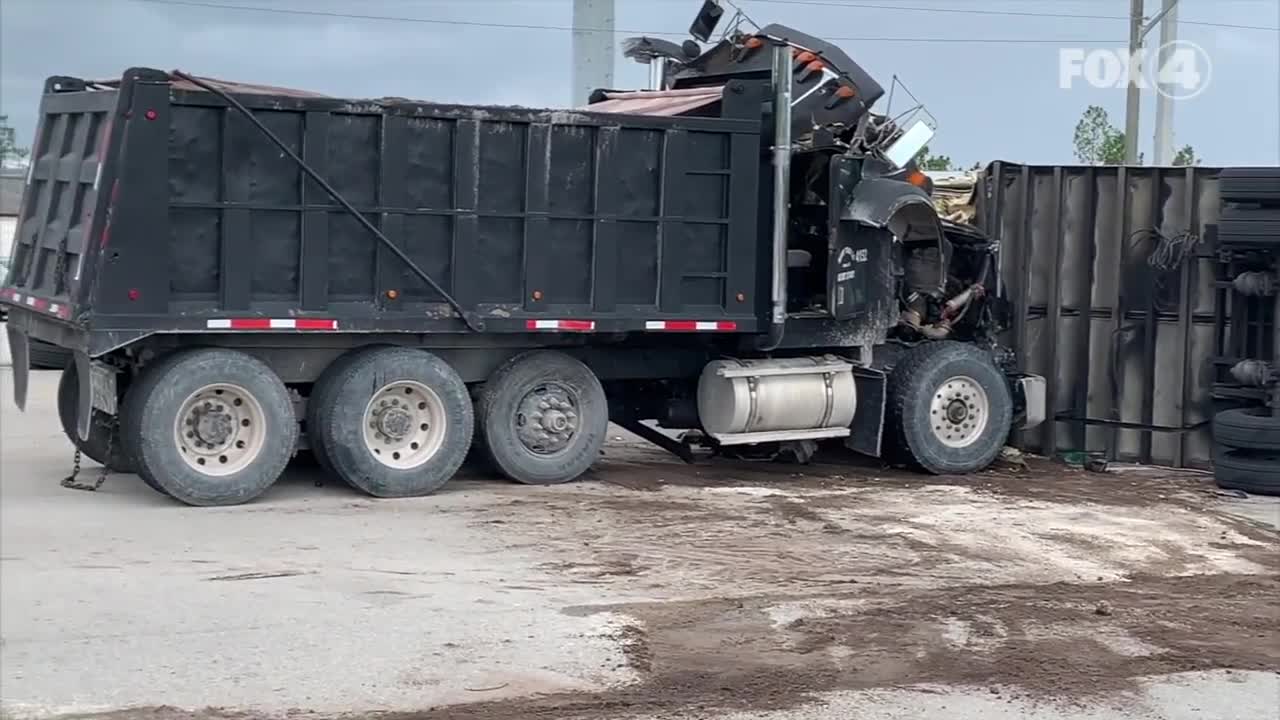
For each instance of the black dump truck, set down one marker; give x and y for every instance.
(242, 272)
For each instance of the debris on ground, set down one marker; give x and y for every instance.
(1097, 465)
(1013, 457)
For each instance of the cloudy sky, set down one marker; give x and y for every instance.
(996, 94)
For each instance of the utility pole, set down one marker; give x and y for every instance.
(1163, 145)
(593, 47)
(1133, 100)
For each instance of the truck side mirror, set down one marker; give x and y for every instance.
(708, 18)
(909, 143)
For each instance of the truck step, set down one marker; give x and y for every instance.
(779, 436)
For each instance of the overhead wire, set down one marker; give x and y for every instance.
(568, 28)
(999, 13)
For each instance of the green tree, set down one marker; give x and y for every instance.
(1097, 141)
(927, 161)
(9, 142)
(1186, 156)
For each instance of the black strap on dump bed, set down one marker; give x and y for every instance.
(473, 323)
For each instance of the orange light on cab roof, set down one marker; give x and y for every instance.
(846, 92)
(754, 42)
(917, 178)
(805, 56)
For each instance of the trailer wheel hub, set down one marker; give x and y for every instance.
(220, 429)
(958, 412)
(404, 424)
(213, 427)
(395, 423)
(547, 418)
(554, 421)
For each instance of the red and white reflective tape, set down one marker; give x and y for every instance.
(271, 324)
(561, 325)
(36, 303)
(691, 325)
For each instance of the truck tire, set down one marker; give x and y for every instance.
(395, 422)
(949, 409)
(1248, 471)
(105, 445)
(210, 426)
(321, 396)
(543, 418)
(1247, 429)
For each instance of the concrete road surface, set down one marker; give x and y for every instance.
(650, 590)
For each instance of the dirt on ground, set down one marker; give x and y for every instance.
(738, 585)
(707, 657)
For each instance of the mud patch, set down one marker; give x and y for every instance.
(694, 542)
(641, 467)
(635, 646)
(1042, 642)
(759, 587)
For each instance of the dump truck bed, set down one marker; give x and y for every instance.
(154, 206)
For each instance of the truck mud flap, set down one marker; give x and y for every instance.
(20, 350)
(84, 403)
(96, 382)
(867, 431)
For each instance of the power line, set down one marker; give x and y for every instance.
(567, 28)
(1010, 13)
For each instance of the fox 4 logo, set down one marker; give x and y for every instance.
(1179, 70)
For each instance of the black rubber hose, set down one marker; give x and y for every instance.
(472, 323)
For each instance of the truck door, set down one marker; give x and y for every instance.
(848, 272)
(847, 253)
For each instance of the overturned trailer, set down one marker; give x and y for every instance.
(241, 271)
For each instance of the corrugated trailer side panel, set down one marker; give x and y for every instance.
(518, 214)
(1124, 345)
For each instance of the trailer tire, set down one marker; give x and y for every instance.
(321, 396)
(105, 445)
(1247, 429)
(939, 394)
(528, 384)
(396, 422)
(236, 399)
(1248, 471)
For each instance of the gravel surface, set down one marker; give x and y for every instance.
(653, 589)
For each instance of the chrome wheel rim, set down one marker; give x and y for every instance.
(404, 424)
(220, 429)
(959, 412)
